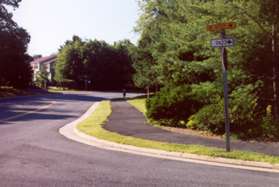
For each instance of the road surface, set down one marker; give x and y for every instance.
(33, 153)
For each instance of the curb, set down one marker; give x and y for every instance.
(71, 132)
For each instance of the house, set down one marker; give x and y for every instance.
(47, 64)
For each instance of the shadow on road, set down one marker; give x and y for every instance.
(43, 107)
(53, 106)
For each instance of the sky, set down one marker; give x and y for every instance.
(51, 22)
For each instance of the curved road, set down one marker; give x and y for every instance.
(33, 153)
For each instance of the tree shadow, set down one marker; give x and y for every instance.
(31, 108)
(37, 116)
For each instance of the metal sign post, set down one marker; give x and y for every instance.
(226, 102)
(222, 43)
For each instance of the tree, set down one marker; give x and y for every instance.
(267, 20)
(14, 41)
(145, 76)
(70, 62)
(95, 63)
(7, 22)
(109, 66)
(173, 34)
(42, 78)
(123, 59)
(270, 13)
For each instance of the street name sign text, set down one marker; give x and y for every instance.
(226, 42)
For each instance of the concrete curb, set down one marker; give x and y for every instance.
(71, 132)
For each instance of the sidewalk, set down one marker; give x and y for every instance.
(127, 120)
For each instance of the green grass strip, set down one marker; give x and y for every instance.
(93, 126)
(53, 89)
(139, 104)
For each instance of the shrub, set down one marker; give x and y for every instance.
(243, 109)
(201, 107)
(209, 118)
(270, 129)
(172, 105)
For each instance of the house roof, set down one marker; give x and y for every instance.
(46, 59)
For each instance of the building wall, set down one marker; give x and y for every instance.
(48, 66)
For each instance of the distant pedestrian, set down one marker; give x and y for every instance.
(124, 93)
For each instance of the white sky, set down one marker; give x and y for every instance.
(51, 22)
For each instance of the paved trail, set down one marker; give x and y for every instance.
(126, 120)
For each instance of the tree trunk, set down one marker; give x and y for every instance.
(148, 92)
(274, 73)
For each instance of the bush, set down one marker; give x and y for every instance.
(201, 107)
(172, 106)
(209, 118)
(243, 109)
(270, 129)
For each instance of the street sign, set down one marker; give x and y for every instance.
(226, 42)
(222, 43)
(221, 26)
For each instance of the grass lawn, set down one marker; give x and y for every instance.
(93, 126)
(54, 89)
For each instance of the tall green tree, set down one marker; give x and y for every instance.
(270, 14)
(13, 55)
(95, 64)
(174, 34)
(70, 63)
(265, 15)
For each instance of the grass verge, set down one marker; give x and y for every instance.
(139, 104)
(93, 126)
(54, 89)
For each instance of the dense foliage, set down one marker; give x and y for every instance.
(94, 64)
(175, 53)
(13, 56)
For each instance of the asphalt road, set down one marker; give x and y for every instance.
(33, 153)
